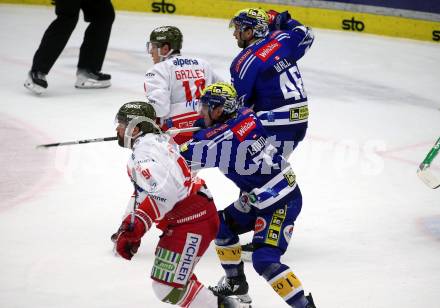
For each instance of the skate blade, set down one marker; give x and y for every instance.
(92, 84)
(244, 299)
(245, 305)
(34, 88)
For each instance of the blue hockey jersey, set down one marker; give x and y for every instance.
(267, 79)
(239, 148)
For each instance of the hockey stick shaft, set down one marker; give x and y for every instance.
(133, 212)
(169, 132)
(77, 142)
(432, 153)
(175, 131)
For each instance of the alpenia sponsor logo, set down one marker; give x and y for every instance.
(267, 50)
(244, 128)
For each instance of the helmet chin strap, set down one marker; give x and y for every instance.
(128, 135)
(164, 57)
(128, 140)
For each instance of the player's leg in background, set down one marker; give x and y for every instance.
(52, 44)
(100, 14)
(286, 148)
(57, 34)
(234, 220)
(273, 231)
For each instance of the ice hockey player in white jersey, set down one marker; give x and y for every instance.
(175, 81)
(169, 196)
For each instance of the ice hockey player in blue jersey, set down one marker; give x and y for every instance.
(235, 141)
(266, 76)
(265, 73)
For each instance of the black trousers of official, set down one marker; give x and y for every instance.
(99, 13)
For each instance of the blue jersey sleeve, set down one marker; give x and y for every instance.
(205, 149)
(301, 38)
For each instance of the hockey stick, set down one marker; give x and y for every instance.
(133, 212)
(76, 142)
(115, 236)
(175, 131)
(424, 173)
(169, 132)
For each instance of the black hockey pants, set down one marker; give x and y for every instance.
(99, 13)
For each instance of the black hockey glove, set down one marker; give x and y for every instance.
(199, 123)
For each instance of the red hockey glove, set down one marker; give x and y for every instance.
(278, 21)
(129, 235)
(272, 14)
(125, 247)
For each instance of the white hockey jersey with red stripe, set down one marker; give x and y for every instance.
(161, 176)
(173, 86)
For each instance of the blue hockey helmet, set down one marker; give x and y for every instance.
(252, 18)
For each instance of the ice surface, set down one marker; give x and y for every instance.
(367, 236)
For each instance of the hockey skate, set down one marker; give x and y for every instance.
(230, 302)
(36, 82)
(86, 79)
(310, 300)
(235, 287)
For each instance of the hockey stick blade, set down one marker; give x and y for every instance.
(428, 178)
(424, 172)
